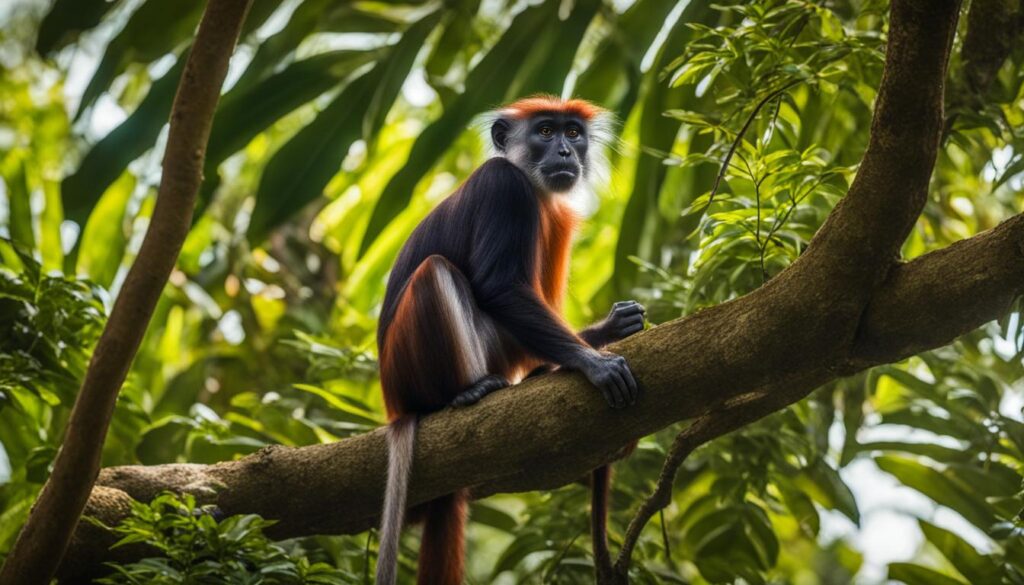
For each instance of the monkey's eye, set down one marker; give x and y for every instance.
(546, 131)
(573, 132)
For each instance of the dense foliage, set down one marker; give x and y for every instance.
(192, 547)
(342, 124)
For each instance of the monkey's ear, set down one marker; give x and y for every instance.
(499, 133)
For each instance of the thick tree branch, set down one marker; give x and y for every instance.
(943, 295)
(56, 512)
(551, 430)
(864, 233)
(831, 314)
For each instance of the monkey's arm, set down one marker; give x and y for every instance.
(501, 269)
(518, 309)
(502, 262)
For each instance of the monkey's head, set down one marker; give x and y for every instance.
(558, 143)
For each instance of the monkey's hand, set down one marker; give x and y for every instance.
(625, 319)
(611, 375)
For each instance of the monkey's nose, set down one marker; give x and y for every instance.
(564, 151)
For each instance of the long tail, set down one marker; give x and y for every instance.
(442, 548)
(401, 439)
(599, 487)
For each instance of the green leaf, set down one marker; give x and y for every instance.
(109, 157)
(930, 450)
(488, 515)
(456, 35)
(523, 546)
(613, 77)
(759, 529)
(920, 418)
(939, 488)
(355, 413)
(155, 28)
(551, 58)
(37, 465)
(725, 544)
(66, 19)
(13, 515)
(164, 440)
(1013, 169)
(206, 448)
(299, 171)
(103, 240)
(917, 575)
(989, 479)
(19, 200)
(245, 112)
(312, 16)
(801, 508)
(976, 567)
(824, 485)
(639, 226)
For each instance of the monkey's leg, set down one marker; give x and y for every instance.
(439, 343)
(479, 389)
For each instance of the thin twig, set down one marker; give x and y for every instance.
(757, 200)
(664, 537)
(739, 136)
(731, 416)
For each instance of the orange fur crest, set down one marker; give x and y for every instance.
(549, 103)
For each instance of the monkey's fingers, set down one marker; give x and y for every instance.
(634, 388)
(633, 328)
(609, 395)
(621, 390)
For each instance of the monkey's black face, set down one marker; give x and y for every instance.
(557, 148)
(552, 148)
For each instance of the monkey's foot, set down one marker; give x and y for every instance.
(479, 389)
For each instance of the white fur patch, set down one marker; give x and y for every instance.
(596, 173)
(463, 327)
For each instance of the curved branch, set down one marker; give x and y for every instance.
(551, 430)
(733, 415)
(803, 328)
(943, 295)
(862, 236)
(56, 512)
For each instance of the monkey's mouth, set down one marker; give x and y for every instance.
(561, 180)
(562, 173)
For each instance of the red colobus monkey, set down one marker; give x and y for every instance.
(473, 304)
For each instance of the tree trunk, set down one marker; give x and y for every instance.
(56, 512)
